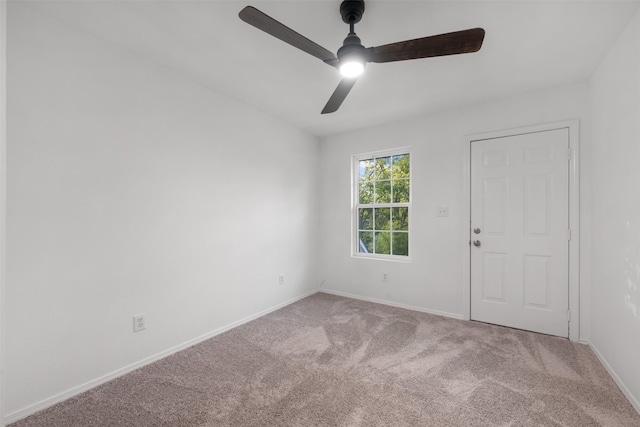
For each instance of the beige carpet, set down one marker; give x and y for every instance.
(333, 361)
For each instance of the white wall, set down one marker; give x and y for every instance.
(615, 101)
(3, 187)
(432, 281)
(133, 190)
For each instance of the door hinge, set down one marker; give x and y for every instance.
(569, 153)
(568, 234)
(568, 315)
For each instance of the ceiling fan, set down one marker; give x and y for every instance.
(352, 56)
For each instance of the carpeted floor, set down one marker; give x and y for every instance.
(333, 361)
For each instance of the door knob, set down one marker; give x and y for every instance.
(476, 243)
(477, 230)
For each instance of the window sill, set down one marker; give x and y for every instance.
(377, 257)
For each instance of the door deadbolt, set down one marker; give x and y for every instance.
(477, 230)
(476, 243)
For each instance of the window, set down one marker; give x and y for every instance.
(382, 200)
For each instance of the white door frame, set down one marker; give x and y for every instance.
(574, 214)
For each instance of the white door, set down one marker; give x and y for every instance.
(520, 231)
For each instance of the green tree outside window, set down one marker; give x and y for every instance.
(383, 199)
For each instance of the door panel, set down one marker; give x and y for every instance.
(537, 189)
(520, 206)
(493, 280)
(495, 208)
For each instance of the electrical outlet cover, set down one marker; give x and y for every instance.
(139, 322)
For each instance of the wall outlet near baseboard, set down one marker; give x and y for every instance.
(385, 276)
(281, 279)
(139, 322)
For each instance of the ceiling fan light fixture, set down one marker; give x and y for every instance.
(351, 68)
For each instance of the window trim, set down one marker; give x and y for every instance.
(355, 179)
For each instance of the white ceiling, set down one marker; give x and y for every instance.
(529, 45)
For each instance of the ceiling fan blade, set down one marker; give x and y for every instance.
(264, 22)
(465, 41)
(339, 95)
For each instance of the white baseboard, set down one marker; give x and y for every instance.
(632, 399)
(394, 304)
(45, 403)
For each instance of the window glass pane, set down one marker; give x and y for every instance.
(401, 191)
(365, 219)
(382, 197)
(400, 244)
(400, 219)
(383, 245)
(367, 168)
(401, 166)
(383, 168)
(365, 244)
(365, 192)
(383, 192)
(383, 218)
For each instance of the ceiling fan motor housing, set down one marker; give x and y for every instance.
(352, 46)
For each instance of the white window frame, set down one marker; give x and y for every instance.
(355, 178)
